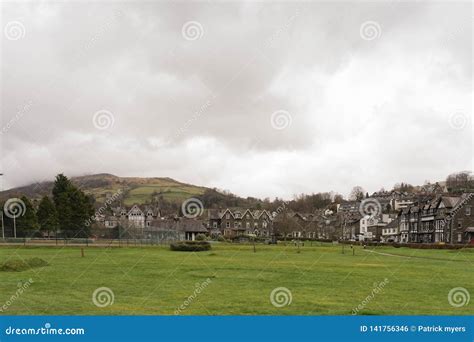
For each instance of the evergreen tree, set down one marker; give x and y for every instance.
(73, 207)
(47, 216)
(62, 185)
(27, 224)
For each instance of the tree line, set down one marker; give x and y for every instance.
(64, 215)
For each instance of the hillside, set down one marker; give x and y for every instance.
(136, 190)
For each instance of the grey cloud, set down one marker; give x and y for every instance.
(191, 109)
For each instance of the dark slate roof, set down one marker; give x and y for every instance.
(392, 224)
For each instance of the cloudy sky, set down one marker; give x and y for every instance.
(262, 99)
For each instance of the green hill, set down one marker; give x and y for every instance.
(137, 190)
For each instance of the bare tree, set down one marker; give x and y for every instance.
(357, 193)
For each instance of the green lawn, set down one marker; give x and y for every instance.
(322, 280)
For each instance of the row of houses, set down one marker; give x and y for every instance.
(435, 219)
(147, 222)
(445, 219)
(441, 219)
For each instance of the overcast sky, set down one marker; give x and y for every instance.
(262, 99)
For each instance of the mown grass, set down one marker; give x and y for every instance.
(322, 280)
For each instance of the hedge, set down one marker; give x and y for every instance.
(409, 245)
(190, 246)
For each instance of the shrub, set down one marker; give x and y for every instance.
(221, 238)
(201, 237)
(190, 246)
(18, 265)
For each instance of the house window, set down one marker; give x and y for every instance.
(227, 224)
(214, 224)
(227, 216)
(459, 223)
(247, 225)
(255, 224)
(459, 237)
(468, 211)
(148, 224)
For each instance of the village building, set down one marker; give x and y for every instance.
(239, 222)
(136, 216)
(371, 227)
(444, 219)
(390, 232)
(174, 229)
(462, 221)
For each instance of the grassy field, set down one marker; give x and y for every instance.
(322, 280)
(170, 192)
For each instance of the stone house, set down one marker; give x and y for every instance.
(240, 222)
